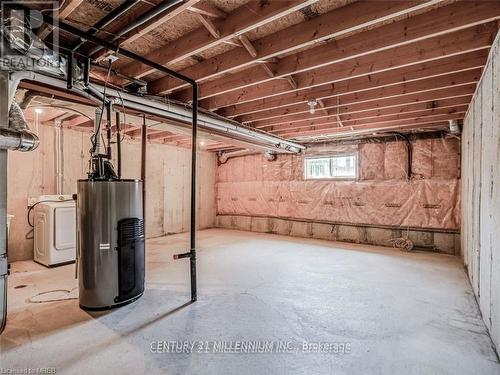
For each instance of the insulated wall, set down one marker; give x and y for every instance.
(481, 191)
(168, 173)
(381, 196)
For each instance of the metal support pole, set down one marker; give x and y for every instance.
(108, 130)
(4, 123)
(118, 144)
(194, 148)
(144, 135)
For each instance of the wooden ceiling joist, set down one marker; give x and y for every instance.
(67, 8)
(151, 25)
(405, 88)
(449, 65)
(385, 119)
(247, 44)
(209, 25)
(367, 113)
(242, 20)
(348, 108)
(399, 124)
(307, 64)
(207, 10)
(344, 20)
(460, 42)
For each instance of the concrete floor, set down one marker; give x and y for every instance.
(411, 313)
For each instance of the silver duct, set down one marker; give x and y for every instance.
(17, 135)
(173, 111)
(16, 140)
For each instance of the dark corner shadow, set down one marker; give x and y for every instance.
(80, 355)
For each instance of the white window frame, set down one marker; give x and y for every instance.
(331, 157)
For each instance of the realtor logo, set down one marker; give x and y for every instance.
(27, 43)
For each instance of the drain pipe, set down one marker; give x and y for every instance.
(59, 169)
(225, 156)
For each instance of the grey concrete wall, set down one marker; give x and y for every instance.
(168, 184)
(447, 242)
(481, 193)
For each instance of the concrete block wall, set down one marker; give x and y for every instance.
(168, 184)
(481, 193)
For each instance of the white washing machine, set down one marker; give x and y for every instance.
(54, 233)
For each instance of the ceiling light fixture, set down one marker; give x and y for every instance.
(312, 106)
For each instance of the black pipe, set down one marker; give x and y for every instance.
(194, 148)
(143, 166)
(118, 145)
(108, 131)
(165, 5)
(113, 47)
(118, 50)
(106, 20)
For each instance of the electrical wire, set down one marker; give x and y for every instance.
(32, 225)
(94, 136)
(403, 243)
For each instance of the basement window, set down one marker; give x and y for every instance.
(331, 167)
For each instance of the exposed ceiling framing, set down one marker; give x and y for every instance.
(371, 66)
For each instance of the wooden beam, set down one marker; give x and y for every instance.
(398, 124)
(209, 25)
(77, 121)
(463, 41)
(150, 25)
(323, 59)
(207, 10)
(322, 105)
(377, 112)
(375, 120)
(349, 108)
(247, 17)
(160, 135)
(267, 69)
(291, 81)
(339, 133)
(248, 45)
(449, 65)
(67, 8)
(404, 88)
(347, 19)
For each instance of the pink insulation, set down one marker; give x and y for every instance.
(251, 185)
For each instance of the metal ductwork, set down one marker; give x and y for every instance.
(176, 115)
(17, 136)
(16, 140)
